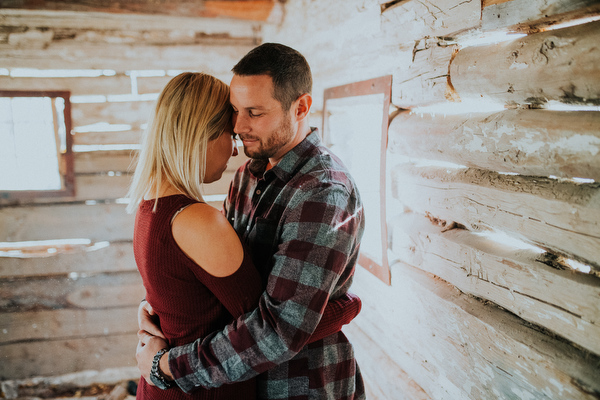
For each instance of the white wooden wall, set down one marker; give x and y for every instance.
(470, 314)
(69, 308)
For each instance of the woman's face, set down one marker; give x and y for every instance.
(218, 153)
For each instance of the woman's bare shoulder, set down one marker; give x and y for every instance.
(205, 235)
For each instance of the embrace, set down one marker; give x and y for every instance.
(247, 302)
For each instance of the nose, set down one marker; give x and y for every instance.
(240, 124)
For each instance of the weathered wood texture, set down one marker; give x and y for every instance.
(259, 10)
(560, 65)
(527, 142)
(67, 324)
(516, 278)
(455, 346)
(93, 258)
(532, 15)
(560, 216)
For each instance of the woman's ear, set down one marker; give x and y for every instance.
(303, 104)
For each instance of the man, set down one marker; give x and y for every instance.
(299, 211)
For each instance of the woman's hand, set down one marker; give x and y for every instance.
(147, 348)
(147, 320)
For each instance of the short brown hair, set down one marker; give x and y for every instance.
(287, 67)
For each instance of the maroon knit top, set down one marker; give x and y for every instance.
(189, 302)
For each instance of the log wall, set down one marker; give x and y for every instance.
(493, 196)
(492, 211)
(68, 298)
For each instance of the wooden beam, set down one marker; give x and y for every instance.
(558, 216)
(89, 259)
(97, 222)
(560, 65)
(458, 347)
(527, 142)
(63, 356)
(534, 15)
(241, 9)
(514, 278)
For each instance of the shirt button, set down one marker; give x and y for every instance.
(257, 191)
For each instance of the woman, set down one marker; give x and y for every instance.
(197, 275)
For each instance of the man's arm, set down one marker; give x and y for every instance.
(318, 246)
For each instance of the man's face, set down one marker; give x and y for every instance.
(265, 129)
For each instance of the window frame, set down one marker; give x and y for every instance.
(68, 177)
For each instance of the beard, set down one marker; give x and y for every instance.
(273, 142)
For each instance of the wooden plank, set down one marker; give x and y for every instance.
(63, 324)
(241, 9)
(413, 20)
(56, 357)
(97, 187)
(256, 10)
(78, 86)
(533, 15)
(97, 222)
(134, 113)
(105, 161)
(560, 65)
(559, 216)
(101, 187)
(515, 278)
(458, 347)
(214, 60)
(527, 142)
(126, 22)
(104, 138)
(93, 258)
(99, 291)
(424, 80)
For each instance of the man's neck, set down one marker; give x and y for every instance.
(298, 138)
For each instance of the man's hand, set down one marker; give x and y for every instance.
(147, 348)
(147, 320)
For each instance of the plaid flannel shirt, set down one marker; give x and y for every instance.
(303, 221)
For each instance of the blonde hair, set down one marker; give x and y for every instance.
(192, 109)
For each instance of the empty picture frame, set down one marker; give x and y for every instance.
(355, 126)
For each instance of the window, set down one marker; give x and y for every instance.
(355, 124)
(35, 144)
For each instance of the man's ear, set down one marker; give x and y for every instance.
(303, 104)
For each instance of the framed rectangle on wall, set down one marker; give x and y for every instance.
(355, 126)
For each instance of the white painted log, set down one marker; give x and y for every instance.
(97, 222)
(102, 257)
(527, 142)
(424, 79)
(560, 65)
(457, 347)
(523, 15)
(512, 277)
(412, 20)
(559, 216)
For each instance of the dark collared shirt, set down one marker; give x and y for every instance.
(303, 221)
